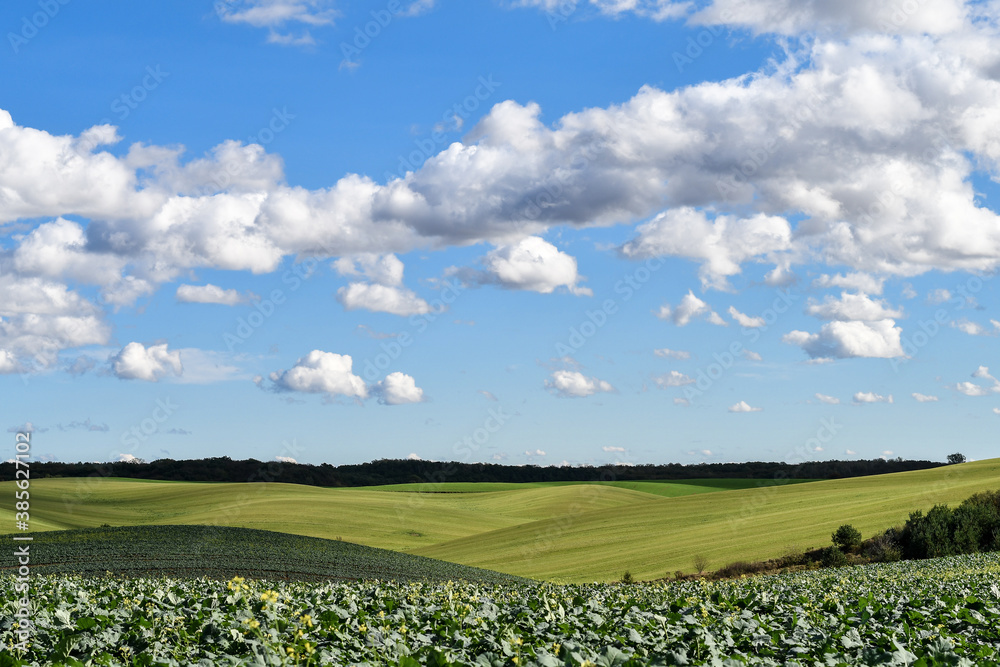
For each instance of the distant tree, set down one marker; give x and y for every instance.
(627, 578)
(847, 538)
(957, 457)
(700, 563)
(834, 557)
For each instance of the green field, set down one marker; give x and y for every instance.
(564, 532)
(224, 552)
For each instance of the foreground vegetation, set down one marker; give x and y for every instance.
(568, 533)
(936, 612)
(221, 553)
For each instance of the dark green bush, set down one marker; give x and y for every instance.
(884, 548)
(834, 557)
(847, 538)
(930, 535)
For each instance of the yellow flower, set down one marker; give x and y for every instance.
(269, 596)
(307, 619)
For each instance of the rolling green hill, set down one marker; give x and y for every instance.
(561, 532)
(655, 539)
(223, 553)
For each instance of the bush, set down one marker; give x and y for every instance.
(929, 536)
(847, 537)
(884, 548)
(740, 568)
(700, 563)
(834, 557)
(627, 578)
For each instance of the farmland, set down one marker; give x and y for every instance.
(223, 552)
(939, 612)
(569, 533)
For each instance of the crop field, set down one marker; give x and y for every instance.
(223, 552)
(939, 612)
(572, 533)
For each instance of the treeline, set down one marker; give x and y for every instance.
(405, 471)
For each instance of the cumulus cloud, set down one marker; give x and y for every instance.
(938, 296)
(682, 402)
(8, 363)
(750, 355)
(128, 458)
(746, 320)
(285, 459)
(137, 362)
(532, 264)
(829, 400)
(321, 372)
(924, 398)
(861, 282)
(210, 294)
(743, 406)
(574, 384)
(398, 389)
(722, 244)
(382, 299)
(871, 397)
(973, 389)
(852, 307)
(672, 354)
(672, 379)
(689, 308)
(850, 116)
(974, 328)
(843, 340)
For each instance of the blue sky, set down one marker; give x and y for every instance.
(525, 232)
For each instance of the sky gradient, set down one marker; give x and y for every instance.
(523, 232)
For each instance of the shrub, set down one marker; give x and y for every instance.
(700, 563)
(627, 578)
(834, 557)
(929, 536)
(847, 538)
(884, 548)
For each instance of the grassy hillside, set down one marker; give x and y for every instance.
(400, 521)
(563, 532)
(654, 539)
(223, 553)
(666, 488)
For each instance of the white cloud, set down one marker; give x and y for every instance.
(752, 356)
(861, 282)
(871, 397)
(689, 308)
(672, 379)
(850, 452)
(8, 363)
(382, 269)
(829, 400)
(672, 354)
(210, 294)
(537, 452)
(908, 292)
(532, 264)
(996, 411)
(743, 406)
(321, 372)
(127, 458)
(136, 362)
(938, 296)
(682, 402)
(413, 456)
(398, 389)
(285, 459)
(974, 328)
(573, 384)
(746, 320)
(971, 389)
(983, 373)
(382, 299)
(924, 398)
(789, 17)
(613, 449)
(844, 340)
(852, 307)
(722, 244)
